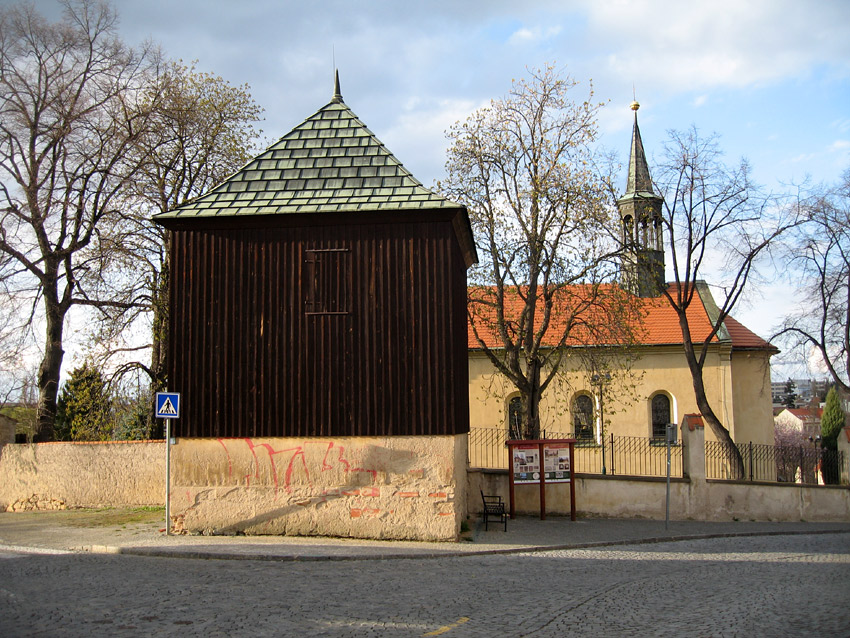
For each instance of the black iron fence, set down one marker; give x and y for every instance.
(636, 456)
(616, 455)
(784, 464)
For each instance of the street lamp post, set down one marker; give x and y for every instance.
(599, 381)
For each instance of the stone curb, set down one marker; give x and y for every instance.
(25, 549)
(161, 552)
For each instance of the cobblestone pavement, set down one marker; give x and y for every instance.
(746, 586)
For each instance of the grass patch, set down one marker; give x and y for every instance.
(100, 517)
(114, 517)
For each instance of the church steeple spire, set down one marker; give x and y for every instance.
(639, 180)
(642, 263)
(337, 98)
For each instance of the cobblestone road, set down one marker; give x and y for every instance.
(755, 586)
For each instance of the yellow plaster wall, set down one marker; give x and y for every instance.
(631, 497)
(735, 387)
(753, 404)
(409, 488)
(114, 474)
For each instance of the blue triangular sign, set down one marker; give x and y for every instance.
(167, 405)
(167, 408)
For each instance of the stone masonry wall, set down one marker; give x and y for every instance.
(114, 474)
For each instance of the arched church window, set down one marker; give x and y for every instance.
(583, 417)
(515, 418)
(628, 230)
(659, 234)
(660, 415)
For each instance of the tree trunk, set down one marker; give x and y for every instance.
(532, 413)
(50, 368)
(159, 339)
(722, 434)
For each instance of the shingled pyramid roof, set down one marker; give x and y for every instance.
(330, 163)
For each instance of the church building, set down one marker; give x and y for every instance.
(656, 389)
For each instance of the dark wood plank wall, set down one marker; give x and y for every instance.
(333, 330)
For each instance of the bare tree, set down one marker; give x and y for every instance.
(202, 130)
(820, 261)
(13, 347)
(716, 218)
(69, 113)
(524, 167)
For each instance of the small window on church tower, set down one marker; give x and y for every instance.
(628, 230)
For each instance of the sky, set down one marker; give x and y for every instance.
(770, 77)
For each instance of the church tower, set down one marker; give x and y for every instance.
(642, 262)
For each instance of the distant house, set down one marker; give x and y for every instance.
(807, 391)
(806, 421)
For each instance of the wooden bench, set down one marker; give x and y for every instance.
(494, 508)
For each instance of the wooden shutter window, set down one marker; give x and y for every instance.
(327, 284)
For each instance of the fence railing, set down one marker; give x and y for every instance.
(618, 455)
(774, 463)
(636, 456)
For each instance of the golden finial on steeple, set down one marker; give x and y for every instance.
(634, 105)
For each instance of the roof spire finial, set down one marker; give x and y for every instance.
(639, 180)
(337, 98)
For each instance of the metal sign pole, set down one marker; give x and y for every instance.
(511, 479)
(572, 482)
(167, 477)
(542, 482)
(167, 407)
(670, 430)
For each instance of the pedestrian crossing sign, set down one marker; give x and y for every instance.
(167, 405)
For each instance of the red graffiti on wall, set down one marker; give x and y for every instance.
(343, 461)
(297, 452)
(334, 458)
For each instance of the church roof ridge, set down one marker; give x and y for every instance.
(659, 325)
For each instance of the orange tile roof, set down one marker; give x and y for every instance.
(660, 325)
(744, 338)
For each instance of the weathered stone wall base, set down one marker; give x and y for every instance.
(36, 502)
(695, 499)
(380, 488)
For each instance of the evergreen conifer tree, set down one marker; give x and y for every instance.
(832, 420)
(84, 408)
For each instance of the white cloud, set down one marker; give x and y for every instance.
(417, 137)
(700, 100)
(534, 35)
(722, 42)
(840, 145)
(802, 157)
